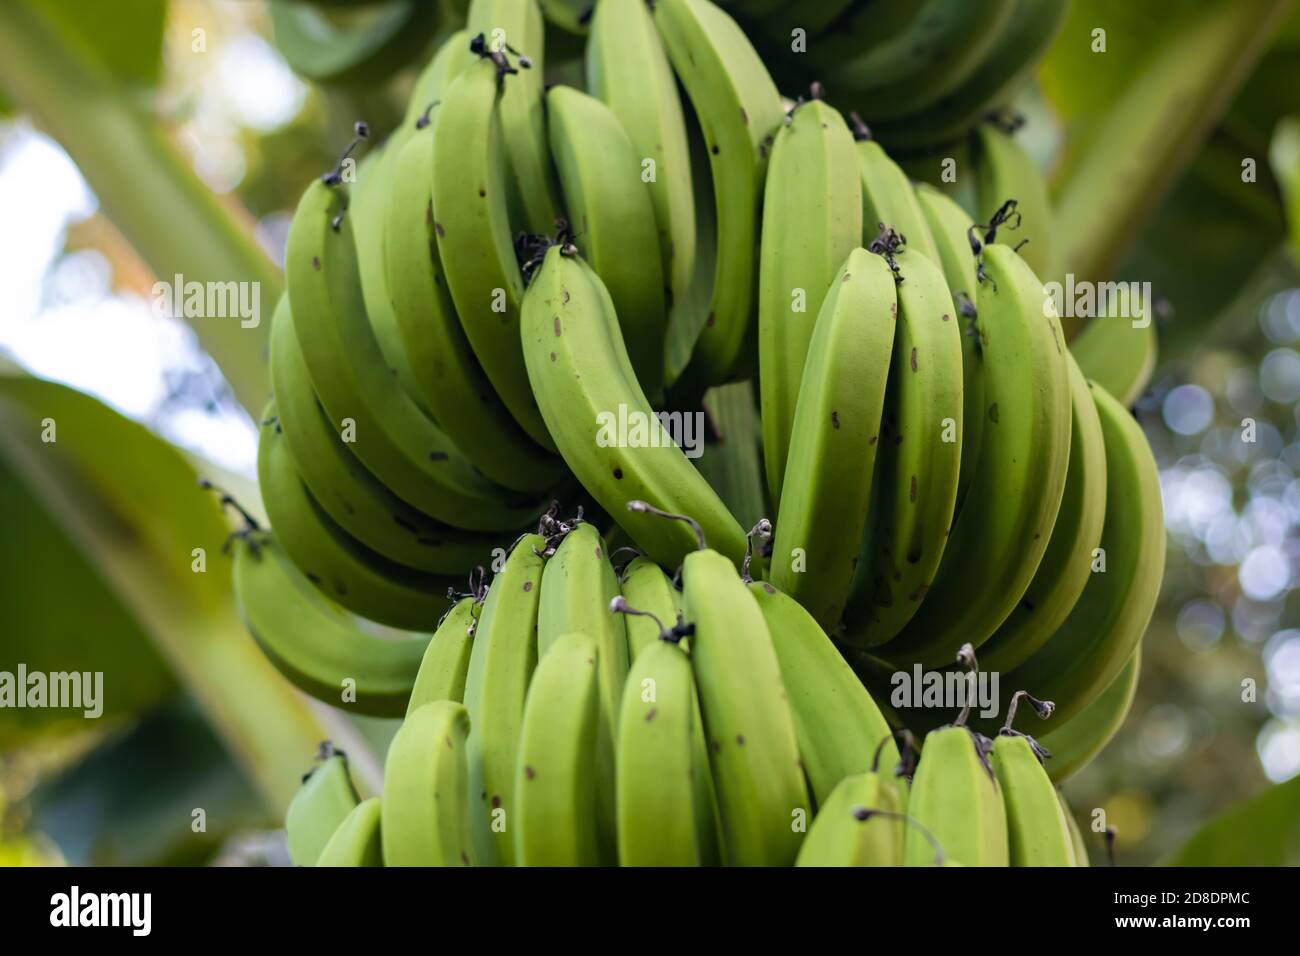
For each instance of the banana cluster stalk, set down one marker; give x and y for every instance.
(567, 273)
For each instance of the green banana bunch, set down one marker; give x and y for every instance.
(583, 379)
(957, 801)
(840, 729)
(612, 208)
(1099, 637)
(835, 434)
(918, 470)
(996, 545)
(556, 781)
(1004, 171)
(858, 824)
(357, 840)
(445, 663)
(317, 647)
(341, 568)
(739, 109)
(1083, 736)
(753, 744)
(1037, 831)
(501, 665)
(320, 806)
(628, 70)
(812, 221)
(425, 806)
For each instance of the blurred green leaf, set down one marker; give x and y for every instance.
(99, 814)
(1284, 154)
(123, 38)
(130, 504)
(1264, 831)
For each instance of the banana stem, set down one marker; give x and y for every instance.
(146, 187)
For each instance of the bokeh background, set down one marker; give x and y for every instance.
(78, 309)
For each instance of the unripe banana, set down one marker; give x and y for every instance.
(320, 806)
(1037, 832)
(888, 199)
(649, 590)
(1076, 835)
(426, 789)
(555, 785)
(837, 428)
(1076, 742)
(812, 221)
(500, 666)
(858, 824)
(446, 659)
(357, 841)
(955, 797)
(1005, 171)
(1118, 354)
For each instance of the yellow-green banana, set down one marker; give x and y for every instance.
(739, 109)
(955, 797)
(446, 660)
(1097, 640)
(608, 433)
(425, 806)
(611, 212)
(1076, 835)
(628, 69)
(393, 437)
(471, 221)
(343, 569)
(835, 436)
(500, 666)
(1067, 562)
(888, 199)
(320, 806)
(555, 783)
(915, 488)
(999, 537)
(812, 221)
(1117, 354)
(356, 842)
(1003, 171)
(1037, 832)
(317, 647)
(841, 731)
(649, 590)
(1086, 734)
(858, 824)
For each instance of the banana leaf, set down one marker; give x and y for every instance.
(1263, 831)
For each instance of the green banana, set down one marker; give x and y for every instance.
(1097, 640)
(731, 459)
(318, 648)
(927, 60)
(1086, 734)
(448, 374)
(357, 841)
(529, 182)
(425, 806)
(367, 53)
(950, 228)
(995, 548)
(956, 799)
(500, 666)
(446, 660)
(812, 221)
(611, 211)
(628, 69)
(573, 16)
(1066, 564)
(739, 110)
(1076, 835)
(320, 806)
(394, 438)
(660, 819)
(915, 489)
(349, 494)
(443, 67)
(341, 568)
(471, 221)
(584, 383)
(835, 434)
(555, 786)
(1021, 43)
(1037, 831)
(753, 744)
(1003, 171)
(650, 591)
(1118, 355)
(841, 731)
(577, 587)
(888, 199)
(857, 824)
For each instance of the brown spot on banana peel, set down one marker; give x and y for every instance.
(913, 359)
